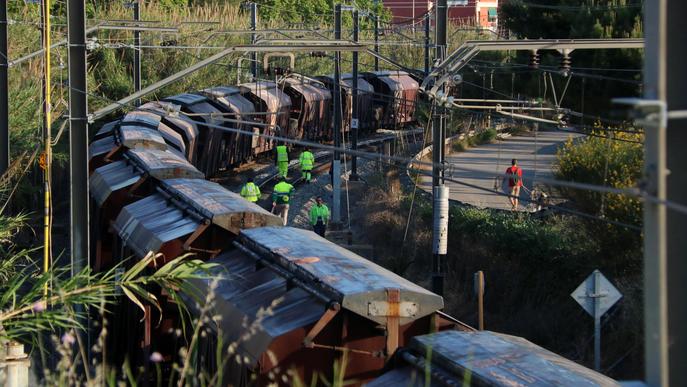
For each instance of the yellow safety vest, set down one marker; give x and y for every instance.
(282, 154)
(281, 192)
(307, 160)
(319, 213)
(250, 192)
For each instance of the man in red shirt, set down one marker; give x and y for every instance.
(514, 176)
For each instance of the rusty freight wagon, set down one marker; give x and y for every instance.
(237, 147)
(186, 127)
(310, 107)
(209, 117)
(395, 97)
(121, 182)
(292, 303)
(181, 216)
(114, 138)
(366, 119)
(483, 358)
(272, 107)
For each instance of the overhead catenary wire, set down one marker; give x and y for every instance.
(635, 192)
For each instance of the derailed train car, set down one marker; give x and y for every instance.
(483, 358)
(292, 303)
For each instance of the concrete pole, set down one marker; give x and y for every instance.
(354, 120)
(137, 50)
(440, 229)
(78, 135)
(253, 38)
(676, 189)
(4, 93)
(336, 159)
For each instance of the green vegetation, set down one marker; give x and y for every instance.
(531, 263)
(614, 162)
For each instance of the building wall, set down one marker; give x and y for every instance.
(475, 13)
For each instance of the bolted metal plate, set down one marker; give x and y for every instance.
(607, 294)
(391, 309)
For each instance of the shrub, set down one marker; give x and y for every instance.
(609, 162)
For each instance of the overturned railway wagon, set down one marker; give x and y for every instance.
(483, 358)
(291, 301)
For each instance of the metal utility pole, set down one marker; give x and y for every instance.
(676, 140)
(427, 41)
(253, 38)
(376, 37)
(440, 192)
(137, 49)
(354, 94)
(4, 93)
(336, 159)
(655, 233)
(78, 134)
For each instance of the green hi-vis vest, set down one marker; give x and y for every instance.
(250, 192)
(318, 213)
(307, 160)
(282, 154)
(281, 192)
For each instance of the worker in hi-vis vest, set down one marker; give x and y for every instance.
(250, 191)
(319, 217)
(307, 161)
(281, 194)
(282, 160)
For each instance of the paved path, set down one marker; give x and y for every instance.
(489, 160)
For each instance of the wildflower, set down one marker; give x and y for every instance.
(68, 339)
(156, 357)
(39, 306)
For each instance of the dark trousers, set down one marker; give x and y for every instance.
(320, 229)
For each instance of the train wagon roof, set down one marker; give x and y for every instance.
(231, 97)
(491, 359)
(395, 80)
(347, 81)
(137, 163)
(128, 136)
(147, 224)
(154, 121)
(175, 119)
(310, 92)
(256, 304)
(270, 93)
(224, 208)
(354, 282)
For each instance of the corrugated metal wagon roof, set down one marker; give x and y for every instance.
(494, 359)
(224, 208)
(257, 305)
(360, 285)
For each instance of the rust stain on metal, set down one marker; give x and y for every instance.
(307, 260)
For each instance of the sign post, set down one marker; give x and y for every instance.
(596, 295)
